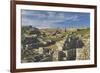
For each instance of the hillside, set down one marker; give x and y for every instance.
(50, 44)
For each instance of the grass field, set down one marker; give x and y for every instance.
(53, 40)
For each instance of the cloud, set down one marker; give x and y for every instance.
(73, 18)
(47, 19)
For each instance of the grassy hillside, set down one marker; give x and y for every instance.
(53, 40)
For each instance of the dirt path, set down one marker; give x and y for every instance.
(60, 44)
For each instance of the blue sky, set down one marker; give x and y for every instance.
(55, 19)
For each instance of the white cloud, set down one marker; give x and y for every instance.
(47, 20)
(72, 18)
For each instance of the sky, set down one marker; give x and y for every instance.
(54, 19)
